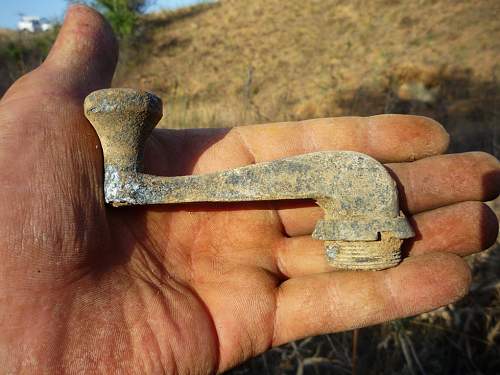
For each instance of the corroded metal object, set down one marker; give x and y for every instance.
(363, 227)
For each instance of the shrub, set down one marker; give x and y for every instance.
(21, 53)
(121, 14)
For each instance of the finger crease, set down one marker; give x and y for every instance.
(282, 223)
(243, 142)
(308, 140)
(277, 300)
(390, 296)
(279, 255)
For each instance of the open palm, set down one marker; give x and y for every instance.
(200, 288)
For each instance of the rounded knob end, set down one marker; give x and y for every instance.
(123, 100)
(123, 120)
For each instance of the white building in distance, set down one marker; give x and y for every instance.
(34, 24)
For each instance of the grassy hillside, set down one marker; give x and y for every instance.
(21, 53)
(241, 62)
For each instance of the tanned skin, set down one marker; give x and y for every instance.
(201, 288)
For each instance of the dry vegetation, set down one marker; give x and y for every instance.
(21, 52)
(238, 62)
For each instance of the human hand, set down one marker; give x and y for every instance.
(200, 288)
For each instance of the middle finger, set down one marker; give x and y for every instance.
(423, 185)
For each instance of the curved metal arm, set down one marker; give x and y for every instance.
(363, 227)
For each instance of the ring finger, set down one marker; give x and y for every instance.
(462, 228)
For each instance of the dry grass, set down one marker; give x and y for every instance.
(240, 62)
(21, 52)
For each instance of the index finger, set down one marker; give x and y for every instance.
(384, 137)
(388, 138)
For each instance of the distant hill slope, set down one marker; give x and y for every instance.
(21, 52)
(252, 61)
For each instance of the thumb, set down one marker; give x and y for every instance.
(83, 57)
(50, 168)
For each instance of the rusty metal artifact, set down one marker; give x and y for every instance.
(363, 227)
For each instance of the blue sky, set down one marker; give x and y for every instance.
(9, 9)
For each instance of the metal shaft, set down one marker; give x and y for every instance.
(363, 227)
